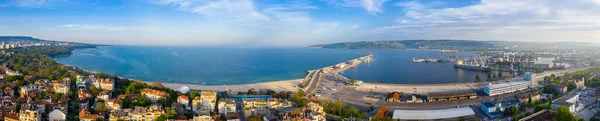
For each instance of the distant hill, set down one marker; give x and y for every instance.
(408, 44)
(26, 40)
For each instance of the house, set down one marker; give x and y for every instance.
(183, 99)
(153, 94)
(203, 118)
(61, 89)
(11, 117)
(30, 112)
(84, 81)
(83, 102)
(381, 112)
(254, 106)
(128, 96)
(9, 91)
(316, 112)
(276, 103)
(119, 114)
(208, 101)
(560, 88)
(227, 106)
(114, 104)
(104, 84)
(524, 98)
(148, 114)
(393, 97)
(578, 82)
(85, 115)
(104, 95)
(570, 101)
(197, 103)
(57, 115)
(84, 94)
(495, 110)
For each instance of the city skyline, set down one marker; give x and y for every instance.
(298, 23)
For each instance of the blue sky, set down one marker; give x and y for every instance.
(298, 22)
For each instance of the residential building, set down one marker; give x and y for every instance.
(30, 112)
(203, 118)
(208, 101)
(227, 106)
(494, 110)
(9, 91)
(57, 115)
(119, 114)
(578, 82)
(85, 115)
(11, 117)
(84, 94)
(153, 94)
(393, 97)
(146, 114)
(316, 112)
(104, 84)
(197, 103)
(530, 76)
(524, 98)
(104, 95)
(84, 81)
(114, 104)
(254, 106)
(61, 88)
(560, 88)
(276, 103)
(503, 88)
(184, 99)
(570, 101)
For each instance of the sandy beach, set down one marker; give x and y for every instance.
(285, 85)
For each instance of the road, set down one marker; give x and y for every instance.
(314, 84)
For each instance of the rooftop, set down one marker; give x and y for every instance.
(432, 114)
(451, 93)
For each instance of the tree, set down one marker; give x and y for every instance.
(511, 111)
(94, 90)
(500, 75)
(101, 106)
(529, 100)
(489, 76)
(477, 78)
(563, 114)
(352, 81)
(161, 118)
(193, 94)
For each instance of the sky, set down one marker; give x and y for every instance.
(298, 22)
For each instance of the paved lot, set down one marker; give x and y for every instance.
(587, 113)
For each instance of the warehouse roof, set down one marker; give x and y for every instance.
(432, 114)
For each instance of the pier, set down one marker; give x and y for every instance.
(314, 77)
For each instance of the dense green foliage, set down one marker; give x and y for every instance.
(404, 44)
(563, 114)
(36, 61)
(338, 108)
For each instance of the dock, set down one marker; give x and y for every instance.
(314, 77)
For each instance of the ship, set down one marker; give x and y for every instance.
(477, 65)
(415, 60)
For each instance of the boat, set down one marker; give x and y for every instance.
(477, 66)
(415, 60)
(453, 56)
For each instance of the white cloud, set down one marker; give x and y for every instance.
(354, 26)
(371, 6)
(238, 10)
(101, 27)
(497, 20)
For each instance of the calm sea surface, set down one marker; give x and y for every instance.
(245, 65)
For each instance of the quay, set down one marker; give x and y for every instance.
(314, 77)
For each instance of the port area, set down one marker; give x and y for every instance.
(313, 79)
(335, 87)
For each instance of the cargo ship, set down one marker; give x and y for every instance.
(473, 65)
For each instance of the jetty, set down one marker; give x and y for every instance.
(314, 77)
